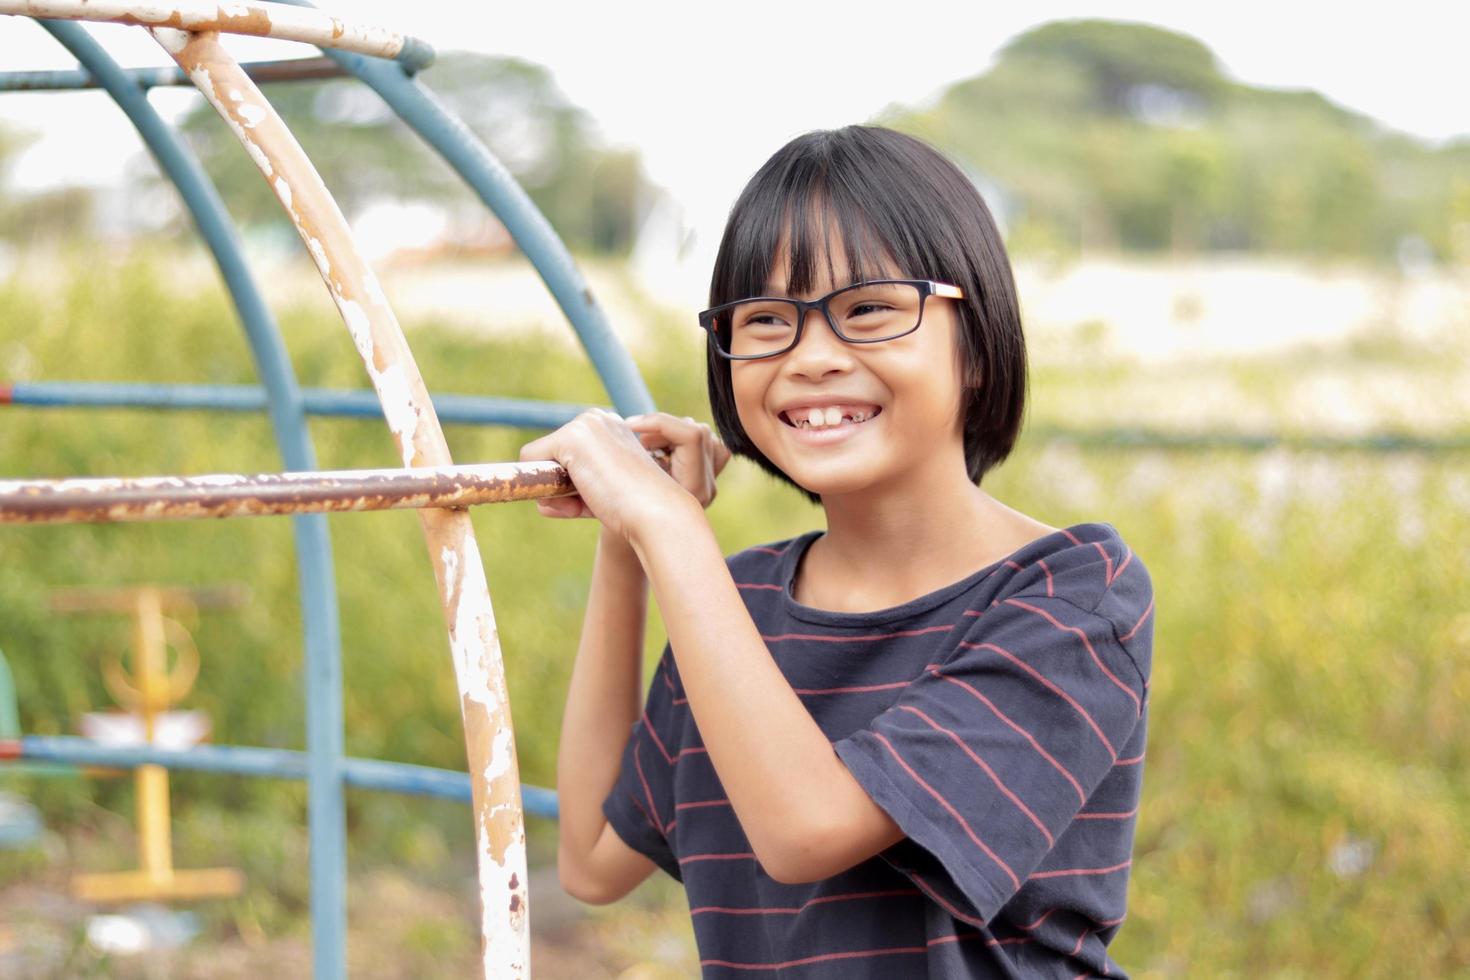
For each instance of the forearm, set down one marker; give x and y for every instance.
(604, 697)
(776, 764)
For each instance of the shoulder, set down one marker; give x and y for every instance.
(762, 559)
(1092, 568)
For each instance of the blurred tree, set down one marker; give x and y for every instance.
(593, 196)
(1119, 135)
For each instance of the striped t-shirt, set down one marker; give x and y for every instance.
(1000, 721)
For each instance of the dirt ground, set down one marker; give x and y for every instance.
(397, 928)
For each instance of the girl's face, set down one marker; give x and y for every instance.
(913, 383)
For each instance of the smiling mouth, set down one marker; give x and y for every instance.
(848, 419)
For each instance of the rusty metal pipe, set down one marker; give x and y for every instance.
(172, 498)
(237, 17)
(474, 640)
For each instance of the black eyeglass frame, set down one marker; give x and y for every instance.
(926, 287)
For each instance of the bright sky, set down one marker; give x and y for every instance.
(706, 91)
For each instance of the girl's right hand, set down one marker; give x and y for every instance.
(696, 454)
(696, 457)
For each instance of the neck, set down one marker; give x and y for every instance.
(904, 540)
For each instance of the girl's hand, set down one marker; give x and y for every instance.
(617, 481)
(696, 454)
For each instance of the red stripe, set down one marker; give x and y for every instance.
(775, 910)
(1053, 688)
(847, 639)
(758, 585)
(853, 954)
(7, 395)
(1107, 816)
(1047, 570)
(715, 857)
(1069, 872)
(1081, 796)
(1044, 916)
(1080, 940)
(768, 551)
(1129, 635)
(1138, 704)
(822, 957)
(1130, 762)
(1050, 841)
(1071, 537)
(1016, 882)
(1108, 570)
(10, 748)
(1126, 560)
(640, 809)
(858, 689)
(648, 727)
(696, 803)
(652, 807)
(928, 889)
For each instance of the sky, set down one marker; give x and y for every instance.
(707, 91)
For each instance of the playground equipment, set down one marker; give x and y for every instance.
(387, 62)
(146, 696)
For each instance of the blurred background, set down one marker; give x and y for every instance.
(1242, 241)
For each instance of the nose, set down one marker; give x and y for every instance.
(820, 351)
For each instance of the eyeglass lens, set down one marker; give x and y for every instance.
(866, 312)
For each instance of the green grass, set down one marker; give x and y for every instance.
(1306, 797)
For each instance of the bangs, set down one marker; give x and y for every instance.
(796, 214)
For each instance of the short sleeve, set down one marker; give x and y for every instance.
(987, 756)
(640, 806)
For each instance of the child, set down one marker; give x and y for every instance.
(910, 746)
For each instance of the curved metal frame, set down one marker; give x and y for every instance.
(414, 423)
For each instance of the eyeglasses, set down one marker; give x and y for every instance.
(864, 313)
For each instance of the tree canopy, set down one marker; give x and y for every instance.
(1131, 136)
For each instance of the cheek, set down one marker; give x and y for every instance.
(746, 387)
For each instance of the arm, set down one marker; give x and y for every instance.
(805, 814)
(603, 701)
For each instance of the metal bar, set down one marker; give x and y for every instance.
(73, 79)
(529, 414)
(101, 500)
(250, 17)
(242, 760)
(507, 200)
(459, 409)
(326, 817)
(450, 537)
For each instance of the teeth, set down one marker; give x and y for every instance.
(820, 418)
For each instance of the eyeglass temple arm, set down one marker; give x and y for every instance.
(947, 291)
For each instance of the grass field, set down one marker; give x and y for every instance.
(1306, 809)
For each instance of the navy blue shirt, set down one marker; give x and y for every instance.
(1000, 721)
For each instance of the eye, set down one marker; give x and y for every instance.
(869, 307)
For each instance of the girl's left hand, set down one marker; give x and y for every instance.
(617, 481)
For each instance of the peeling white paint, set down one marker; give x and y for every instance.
(504, 933)
(357, 325)
(250, 115)
(398, 407)
(172, 41)
(283, 191)
(470, 615)
(314, 245)
(450, 560)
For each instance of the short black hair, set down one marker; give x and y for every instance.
(898, 201)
